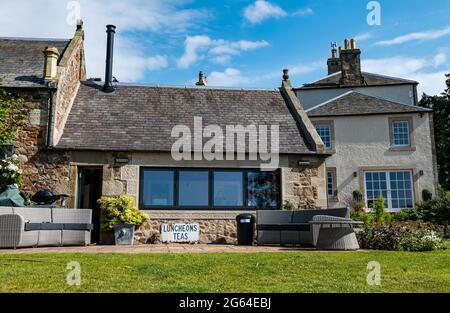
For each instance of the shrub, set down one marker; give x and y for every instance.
(119, 210)
(409, 236)
(436, 210)
(362, 216)
(10, 173)
(289, 206)
(402, 216)
(427, 195)
(381, 216)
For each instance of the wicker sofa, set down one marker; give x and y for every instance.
(38, 227)
(291, 227)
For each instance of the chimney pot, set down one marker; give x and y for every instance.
(51, 55)
(201, 79)
(346, 44)
(108, 87)
(285, 74)
(353, 43)
(80, 24)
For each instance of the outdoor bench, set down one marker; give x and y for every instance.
(37, 227)
(291, 227)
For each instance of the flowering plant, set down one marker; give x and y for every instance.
(10, 174)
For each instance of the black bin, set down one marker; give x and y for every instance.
(245, 229)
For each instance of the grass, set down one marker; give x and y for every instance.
(305, 271)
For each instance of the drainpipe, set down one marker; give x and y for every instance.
(51, 93)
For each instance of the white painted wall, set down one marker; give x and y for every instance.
(363, 141)
(397, 93)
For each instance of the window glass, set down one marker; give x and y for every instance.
(158, 188)
(228, 188)
(263, 189)
(330, 184)
(400, 131)
(193, 188)
(324, 133)
(402, 195)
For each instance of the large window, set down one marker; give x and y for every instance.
(158, 188)
(263, 189)
(396, 187)
(193, 189)
(332, 184)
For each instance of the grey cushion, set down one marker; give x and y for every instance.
(72, 216)
(34, 215)
(6, 210)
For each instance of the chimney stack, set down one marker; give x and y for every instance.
(334, 64)
(108, 87)
(350, 59)
(201, 80)
(51, 56)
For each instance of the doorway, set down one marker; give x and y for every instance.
(89, 191)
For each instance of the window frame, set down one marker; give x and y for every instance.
(334, 196)
(330, 125)
(411, 145)
(388, 187)
(210, 206)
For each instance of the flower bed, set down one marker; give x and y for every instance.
(402, 236)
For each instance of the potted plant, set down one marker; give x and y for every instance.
(121, 215)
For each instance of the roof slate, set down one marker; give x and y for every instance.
(22, 60)
(332, 81)
(141, 118)
(355, 103)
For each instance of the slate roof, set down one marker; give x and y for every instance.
(22, 60)
(332, 81)
(355, 103)
(141, 118)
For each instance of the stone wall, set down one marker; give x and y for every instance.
(71, 70)
(211, 231)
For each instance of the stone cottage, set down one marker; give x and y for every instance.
(88, 138)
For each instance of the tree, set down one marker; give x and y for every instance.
(13, 114)
(441, 107)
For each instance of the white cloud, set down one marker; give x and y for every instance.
(196, 46)
(421, 36)
(303, 12)
(364, 36)
(48, 19)
(228, 78)
(221, 59)
(440, 59)
(225, 47)
(262, 10)
(192, 46)
(157, 62)
(411, 68)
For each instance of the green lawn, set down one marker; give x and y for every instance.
(306, 271)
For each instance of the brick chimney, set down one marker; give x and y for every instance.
(201, 79)
(51, 56)
(350, 59)
(334, 64)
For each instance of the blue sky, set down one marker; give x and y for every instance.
(244, 43)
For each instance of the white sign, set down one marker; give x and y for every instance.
(180, 232)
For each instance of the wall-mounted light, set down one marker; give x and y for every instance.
(304, 163)
(122, 160)
(421, 173)
(355, 174)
